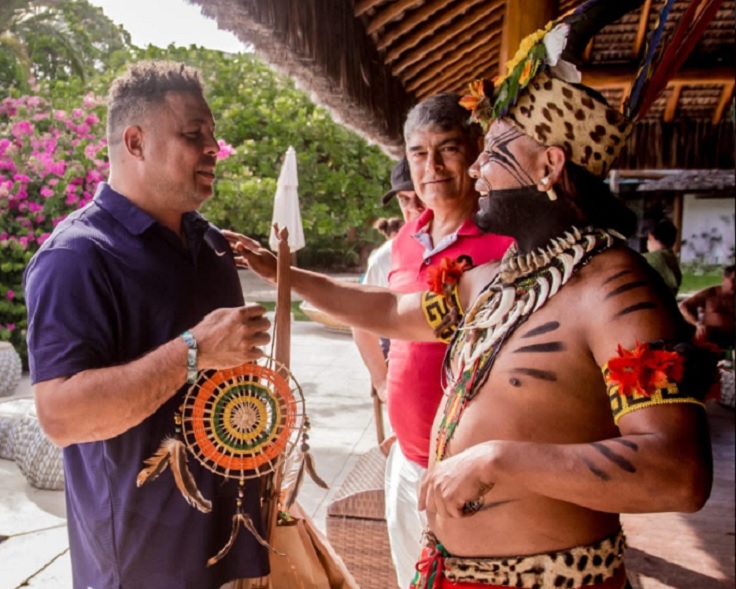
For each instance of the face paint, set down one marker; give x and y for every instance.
(499, 154)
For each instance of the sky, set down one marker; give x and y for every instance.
(162, 22)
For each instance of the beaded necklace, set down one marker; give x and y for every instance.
(525, 282)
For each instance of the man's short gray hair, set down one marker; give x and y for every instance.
(442, 112)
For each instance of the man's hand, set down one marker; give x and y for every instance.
(385, 446)
(229, 337)
(250, 254)
(456, 487)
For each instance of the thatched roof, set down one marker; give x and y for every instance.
(714, 182)
(369, 61)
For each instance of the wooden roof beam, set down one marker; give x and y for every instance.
(671, 107)
(456, 63)
(617, 76)
(471, 25)
(435, 23)
(388, 14)
(723, 101)
(641, 32)
(362, 6)
(410, 23)
(440, 55)
(446, 82)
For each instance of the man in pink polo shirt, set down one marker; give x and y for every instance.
(440, 146)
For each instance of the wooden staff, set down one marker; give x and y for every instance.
(282, 355)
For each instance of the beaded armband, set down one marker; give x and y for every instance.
(644, 377)
(443, 312)
(441, 304)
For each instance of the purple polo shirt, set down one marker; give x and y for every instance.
(110, 285)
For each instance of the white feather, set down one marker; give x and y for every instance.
(555, 42)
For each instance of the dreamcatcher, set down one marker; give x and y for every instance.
(244, 423)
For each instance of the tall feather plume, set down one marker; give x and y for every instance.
(587, 20)
(661, 64)
(173, 452)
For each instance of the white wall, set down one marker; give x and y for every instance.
(713, 217)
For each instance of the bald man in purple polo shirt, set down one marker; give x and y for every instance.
(127, 299)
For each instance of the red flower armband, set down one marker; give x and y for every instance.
(644, 370)
(650, 375)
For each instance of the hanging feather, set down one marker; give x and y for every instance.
(292, 491)
(173, 452)
(311, 469)
(669, 59)
(303, 462)
(241, 519)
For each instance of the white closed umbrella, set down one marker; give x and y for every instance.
(286, 211)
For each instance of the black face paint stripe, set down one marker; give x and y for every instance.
(634, 308)
(615, 276)
(535, 373)
(545, 328)
(498, 152)
(619, 461)
(628, 443)
(601, 474)
(624, 288)
(545, 347)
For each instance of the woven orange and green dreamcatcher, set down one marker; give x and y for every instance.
(243, 423)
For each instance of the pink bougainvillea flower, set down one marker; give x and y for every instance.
(10, 295)
(226, 150)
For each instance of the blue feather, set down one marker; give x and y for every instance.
(645, 69)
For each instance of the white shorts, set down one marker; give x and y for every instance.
(405, 522)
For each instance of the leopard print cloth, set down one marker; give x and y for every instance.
(576, 567)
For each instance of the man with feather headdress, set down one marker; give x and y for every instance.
(573, 391)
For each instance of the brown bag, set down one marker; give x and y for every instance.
(310, 561)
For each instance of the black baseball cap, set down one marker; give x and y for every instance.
(400, 180)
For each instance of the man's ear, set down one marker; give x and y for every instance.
(554, 166)
(133, 141)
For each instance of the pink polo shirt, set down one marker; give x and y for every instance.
(413, 383)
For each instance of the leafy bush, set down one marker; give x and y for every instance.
(51, 162)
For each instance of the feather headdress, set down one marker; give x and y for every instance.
(541, 93)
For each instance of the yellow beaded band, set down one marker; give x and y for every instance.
(443, 313)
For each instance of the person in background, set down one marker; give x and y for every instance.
(711, 311)
(660, 255)
(374, 350)
(127, 300)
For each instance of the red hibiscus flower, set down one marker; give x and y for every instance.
(644, 370)
(447, 273)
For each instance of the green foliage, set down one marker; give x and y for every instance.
(695, 278)
(59, 40)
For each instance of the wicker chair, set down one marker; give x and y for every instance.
(10, 369)
(356, 524)
(11, 411)
(37, 458)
